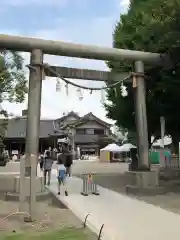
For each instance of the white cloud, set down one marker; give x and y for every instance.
(124, 2)
(123, 5)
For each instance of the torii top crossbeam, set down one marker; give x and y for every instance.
(60, 48)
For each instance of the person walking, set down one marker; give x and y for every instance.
(67, 157)
(61, 176)
(47, 167)
(41, 161)
(68, 163)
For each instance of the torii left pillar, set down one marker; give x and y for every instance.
(33, 122)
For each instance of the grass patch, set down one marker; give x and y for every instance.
(65, 233)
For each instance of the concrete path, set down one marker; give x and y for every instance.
(123, 217)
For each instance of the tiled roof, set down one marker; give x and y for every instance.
(72, 113)
(86, 118)
(17, 128)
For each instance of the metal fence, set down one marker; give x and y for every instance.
(173, 163)
(89, 184)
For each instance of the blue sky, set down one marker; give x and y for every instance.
(23, 14)
(80, 21)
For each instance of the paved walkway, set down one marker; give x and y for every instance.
(123, 217)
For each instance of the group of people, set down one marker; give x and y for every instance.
(64, 162)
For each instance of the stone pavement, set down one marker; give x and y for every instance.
(123, 217)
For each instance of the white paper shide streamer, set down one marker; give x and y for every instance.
(79, 94)
(124, 92)
(58, 85)
(67, 89)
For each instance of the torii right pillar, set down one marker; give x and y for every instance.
(143, 180)
(141, 118)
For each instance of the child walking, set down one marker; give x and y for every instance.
(61, 175)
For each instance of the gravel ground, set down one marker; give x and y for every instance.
(49, 218)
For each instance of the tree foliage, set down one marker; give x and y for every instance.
(13, 84)
(153, 26)
(104, 141)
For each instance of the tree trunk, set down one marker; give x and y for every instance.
(149, 140)
(175, 141)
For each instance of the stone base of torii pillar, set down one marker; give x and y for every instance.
(144, 182)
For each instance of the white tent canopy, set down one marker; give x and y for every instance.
(127, 147)
(112, 148)
(167, 141)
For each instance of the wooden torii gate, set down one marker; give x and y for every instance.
(38, 47)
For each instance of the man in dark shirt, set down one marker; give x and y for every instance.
(67, 157)
(47, 166)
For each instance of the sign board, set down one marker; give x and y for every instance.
(15, 152)
(25, 112)
(90, 178)
(86, 74)
(62, 140)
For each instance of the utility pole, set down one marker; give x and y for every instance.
(73, 143)
(162, 122)
(72, 140)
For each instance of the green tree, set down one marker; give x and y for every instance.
(132, 137)
(153, 26)
(104, 141)
(13, 84)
